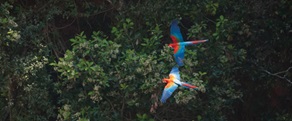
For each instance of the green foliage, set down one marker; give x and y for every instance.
(151, 43)
(121, 74)
(220, 29)
(113, 69)
(212, 7)
(144, 117)
(31, 80)
(197, 30)
(8, 32)
(25, 84)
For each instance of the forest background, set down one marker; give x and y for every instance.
(105, 60)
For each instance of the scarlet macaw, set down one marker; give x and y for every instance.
(172, 83)
(178, 42)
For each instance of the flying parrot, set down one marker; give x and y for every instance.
(172, 83)
(178, 42)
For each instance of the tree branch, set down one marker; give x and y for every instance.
(277, 74)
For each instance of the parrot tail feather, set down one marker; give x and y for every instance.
(187, 85)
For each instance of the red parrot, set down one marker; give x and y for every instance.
(178, 42)
(172, 83)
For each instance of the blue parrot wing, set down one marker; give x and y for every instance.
(179, 55)
(175, 72)
(168, 90)
(175, 33)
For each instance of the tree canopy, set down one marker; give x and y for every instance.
(105, 60)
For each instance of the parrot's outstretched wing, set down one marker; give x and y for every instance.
(176, 36)
(179, 55)
(175, 33)
(168, 90)
(175, 72)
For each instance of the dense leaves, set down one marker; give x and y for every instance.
(104, 60)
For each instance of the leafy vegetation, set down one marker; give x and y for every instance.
(104, 60)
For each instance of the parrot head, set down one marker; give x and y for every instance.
(172, 45)
(166, 80)
(170, 79)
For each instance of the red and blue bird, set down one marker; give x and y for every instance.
(178, 43)
(172, 83)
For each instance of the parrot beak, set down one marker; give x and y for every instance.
(171, 45)
(165, 80)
